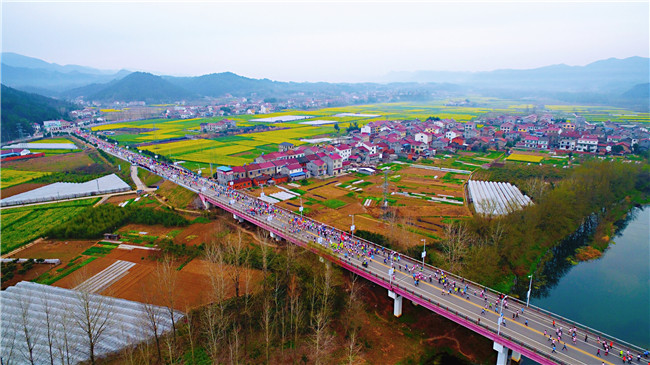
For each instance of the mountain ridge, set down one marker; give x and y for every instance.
(607, 79)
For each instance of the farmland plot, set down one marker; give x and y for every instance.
(10, 177)
(28, 223)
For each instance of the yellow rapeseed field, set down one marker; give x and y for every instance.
(524, 158)
(10, 177)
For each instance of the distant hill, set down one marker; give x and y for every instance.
(221, 84)
(140, 86)
(640, 91)
(21, 109)
(35, 75)
(604, 76)
(18, 60)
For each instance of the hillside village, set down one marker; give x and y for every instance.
(384, 141)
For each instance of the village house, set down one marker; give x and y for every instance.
(587, 144)
(317, 168)
(285, 146)
(218, 126)
(334, 164)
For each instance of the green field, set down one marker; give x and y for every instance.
(21, 225)
(51, 152)
(9, 177)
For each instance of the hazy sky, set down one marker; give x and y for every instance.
(323, 41)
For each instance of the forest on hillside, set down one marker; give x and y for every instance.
(21, 109)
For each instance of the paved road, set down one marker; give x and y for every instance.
(525, 334)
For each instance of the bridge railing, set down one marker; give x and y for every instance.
(551, 315)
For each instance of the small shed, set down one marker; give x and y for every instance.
(111, 236)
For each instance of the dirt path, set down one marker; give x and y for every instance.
(136, 179)
(452, 339)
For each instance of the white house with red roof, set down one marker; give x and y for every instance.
(587, 144)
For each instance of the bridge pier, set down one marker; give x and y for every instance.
(502, 354)
(516, 356)
(397, 304)
(206, 204)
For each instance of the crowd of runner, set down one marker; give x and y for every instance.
(350, 248)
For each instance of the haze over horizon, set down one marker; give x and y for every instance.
(334, 42)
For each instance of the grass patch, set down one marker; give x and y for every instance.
(98, 251)
(177, 196)
(333, 203)
(299, 191)
(197, 220)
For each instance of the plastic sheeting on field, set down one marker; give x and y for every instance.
(62, 190)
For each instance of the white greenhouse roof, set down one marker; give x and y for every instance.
(44, 146)
(62, 190)
(126, 323)
(282, 118)
(496, 198)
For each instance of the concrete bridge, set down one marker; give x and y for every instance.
(531, 333)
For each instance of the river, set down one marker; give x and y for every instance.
(610, 294)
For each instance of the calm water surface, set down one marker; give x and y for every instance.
(611, 294)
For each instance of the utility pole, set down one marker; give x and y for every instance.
(530, 286)
(385, 203)
(424, 251)
(501, 315)
(301, 208)
(352, 227)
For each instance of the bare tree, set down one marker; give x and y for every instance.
(167, 280)
(49, 324)
(489, 208)
(233, 344)
(321, 338)
(497, 232)
(62, 343)
(235, 249)
(128, 354)
(536, 187)
(191, 333)
(92, 315)
(215, 319)
(28, 329)
(266, 321)
(144, 351)
(8, 335)
(455, 244)
(152, 323)
(352, 348)
(352, 311)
